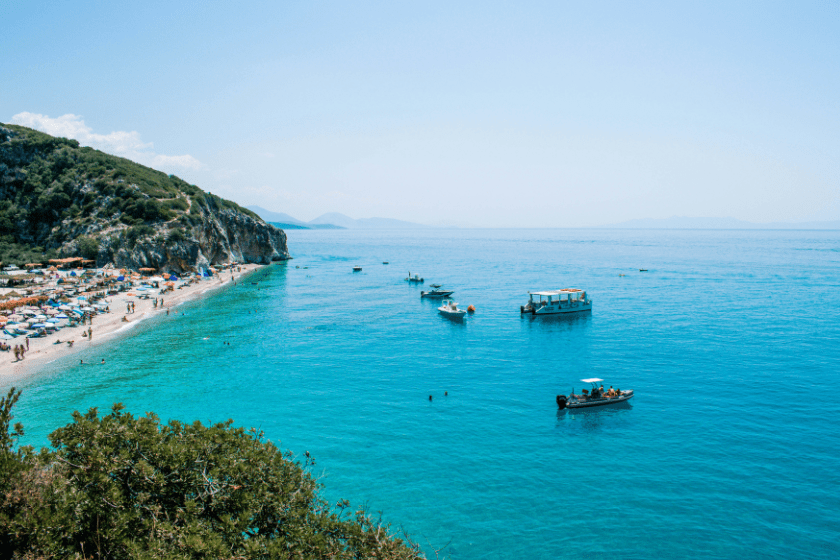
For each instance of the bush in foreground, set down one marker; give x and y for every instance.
(123, 487)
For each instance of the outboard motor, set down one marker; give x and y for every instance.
(561, 401)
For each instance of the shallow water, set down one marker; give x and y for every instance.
(731, 342)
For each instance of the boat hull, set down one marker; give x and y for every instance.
(558, 309)
(439, 295)
(591, 403)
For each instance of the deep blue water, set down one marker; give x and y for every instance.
(731, 341)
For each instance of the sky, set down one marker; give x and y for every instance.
(485, 114)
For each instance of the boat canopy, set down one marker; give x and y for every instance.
(565, 291)
(593, 380)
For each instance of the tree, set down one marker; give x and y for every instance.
(124, 487)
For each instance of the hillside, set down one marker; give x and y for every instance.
(58, 199)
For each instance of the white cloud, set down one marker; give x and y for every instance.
(119, 143)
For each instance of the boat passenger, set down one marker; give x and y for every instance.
(611, 392)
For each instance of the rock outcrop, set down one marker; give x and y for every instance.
(59, 199)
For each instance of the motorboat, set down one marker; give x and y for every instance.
(436, 292)
(416, 278)
(595, 396)
(567, 300)
(385, 262)
(450, 309)
(357, 268)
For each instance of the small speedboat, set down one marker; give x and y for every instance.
(416, 278)
(385, 262)
(357, 268)
(594, 397)
(436, 292)
(450, 309)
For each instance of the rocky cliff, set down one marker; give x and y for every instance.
(58, 199)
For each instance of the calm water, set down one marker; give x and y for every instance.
(731, 341)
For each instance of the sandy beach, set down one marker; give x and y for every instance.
(106, 326)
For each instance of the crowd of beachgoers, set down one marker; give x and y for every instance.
(48, 312)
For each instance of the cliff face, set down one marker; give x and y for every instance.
(57, 199)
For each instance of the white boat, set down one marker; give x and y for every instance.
(450, 309)
(357, 268)
(594, 397)
(552, 302)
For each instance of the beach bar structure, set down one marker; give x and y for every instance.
(72, 262)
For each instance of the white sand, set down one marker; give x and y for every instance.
(107, 325)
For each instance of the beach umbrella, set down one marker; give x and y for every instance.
(53, 320)
(62, 316)
(6, 336)
(87, 309)
(173, 278)
(41, 326)
(120, 278)
(42, 317)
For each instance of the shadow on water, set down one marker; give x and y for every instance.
(556, 322)
(592, 419)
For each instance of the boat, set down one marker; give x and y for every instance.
(642, 270)
(567, 300)
(385, 262)
(450, 309)
(416, 278)
(437, 293)
(357, 268)
(594, 397)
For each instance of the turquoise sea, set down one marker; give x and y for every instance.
(731, 341)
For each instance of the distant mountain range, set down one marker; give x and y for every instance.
(684, 222)
(332, 220)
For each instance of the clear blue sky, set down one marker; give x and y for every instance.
(472, 113)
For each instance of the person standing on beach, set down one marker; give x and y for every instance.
(17, 353)
(27, 344)
(90, 333)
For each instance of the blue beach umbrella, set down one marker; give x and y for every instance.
(72, 273)
(120, 278)
(173, 278)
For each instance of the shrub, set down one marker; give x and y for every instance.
(88, 247)
(123, 487)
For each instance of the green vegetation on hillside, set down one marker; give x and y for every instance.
(120, 487)
(49, 182)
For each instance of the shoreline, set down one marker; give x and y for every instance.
(106, 326)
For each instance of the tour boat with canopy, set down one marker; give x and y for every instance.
(596, 396)
(551, 302)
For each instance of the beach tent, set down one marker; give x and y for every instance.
(120, 278)
(173, 278)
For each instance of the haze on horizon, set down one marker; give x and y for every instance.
(535, 114)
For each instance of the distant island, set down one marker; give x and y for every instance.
(685, 222)
(332, 220)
